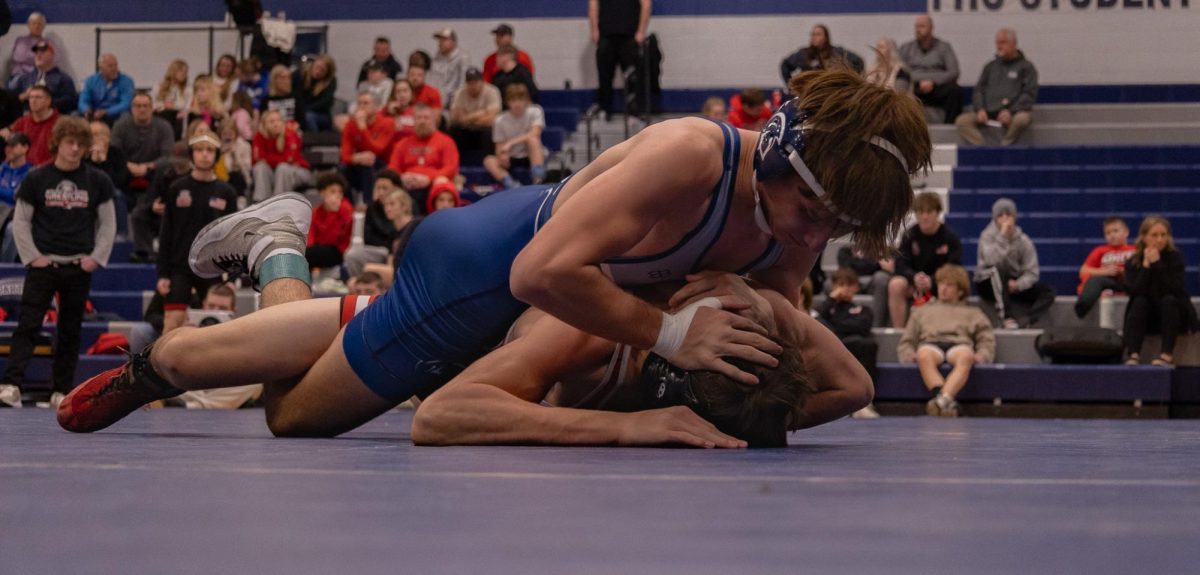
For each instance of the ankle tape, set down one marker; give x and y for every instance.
(283, 266)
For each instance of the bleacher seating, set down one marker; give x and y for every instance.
(1064, 193)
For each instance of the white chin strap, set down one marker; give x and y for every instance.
(760, 217)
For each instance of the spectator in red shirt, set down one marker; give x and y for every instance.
(332, 223)
(366, 144)
(424, 156)
(423, 93)
(399, 108)
(37, 124)
(1103, 272)
(504, 37)
(279, 166)
(749, 110)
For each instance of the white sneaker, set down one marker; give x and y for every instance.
(330, 286)
(56, 398)
(1011, 323)
(10, 396)
(235, 243)
(867, 412)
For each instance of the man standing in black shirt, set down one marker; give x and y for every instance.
(64, 224)
(190, 204)
(618, 28)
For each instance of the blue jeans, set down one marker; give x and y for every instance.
(318, 121)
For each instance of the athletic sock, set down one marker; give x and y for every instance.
(538, 171)
(509, 182)
(282, 263)
(143, 371)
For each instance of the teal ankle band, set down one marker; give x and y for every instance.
(283, 266)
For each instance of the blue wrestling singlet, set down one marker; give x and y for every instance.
(451, 302)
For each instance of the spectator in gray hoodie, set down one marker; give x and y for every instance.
(1006, 91)
(1006, 271)
(934, 69)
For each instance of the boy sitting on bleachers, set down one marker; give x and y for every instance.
(947, 330)
(1103, 272)
(851, 323)
(518, 137)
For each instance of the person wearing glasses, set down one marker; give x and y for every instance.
(681, 196)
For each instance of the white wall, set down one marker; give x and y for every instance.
(1068, 46)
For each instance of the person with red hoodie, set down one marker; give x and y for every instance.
(278, 164)
(425, 155)
(442, 195)
(749, 110)
(366, 144)
(332, 223)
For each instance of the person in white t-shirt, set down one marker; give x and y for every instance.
(518, 137)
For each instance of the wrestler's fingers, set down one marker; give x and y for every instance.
(705, 429)
(728, 370)
(746, 324)
(758, 341)
(690, 290)
(751, 354)
(690, 439)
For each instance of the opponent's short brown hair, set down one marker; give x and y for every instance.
(757, 414)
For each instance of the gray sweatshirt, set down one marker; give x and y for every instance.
(1006, 85)
(448, 73)
(1015, 257)
(938, 63)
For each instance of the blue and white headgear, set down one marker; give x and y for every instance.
(781, 151)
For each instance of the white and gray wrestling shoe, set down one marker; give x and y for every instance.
(235, 243)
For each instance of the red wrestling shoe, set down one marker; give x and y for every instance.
(108, 397)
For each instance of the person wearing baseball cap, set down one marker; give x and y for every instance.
(46, 73)
(472, 113)
(14, 168)
(504, 37)
(1007, 270)
(449, 65)
(191, 203)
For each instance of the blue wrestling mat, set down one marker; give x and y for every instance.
(171, 491)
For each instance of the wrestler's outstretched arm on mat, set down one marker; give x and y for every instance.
(495, 401)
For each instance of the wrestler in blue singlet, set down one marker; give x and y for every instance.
(451, 301)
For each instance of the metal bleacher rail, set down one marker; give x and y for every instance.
(309, 38)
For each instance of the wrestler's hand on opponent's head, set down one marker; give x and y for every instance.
(673, 425)
(715, 334)
(726, 285)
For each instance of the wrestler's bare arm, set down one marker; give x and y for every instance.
(495, 401)
(843, 385)
(609, 215)
(559, 270)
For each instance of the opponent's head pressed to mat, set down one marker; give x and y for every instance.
(548, 362)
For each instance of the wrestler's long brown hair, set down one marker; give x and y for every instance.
(862, 180)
